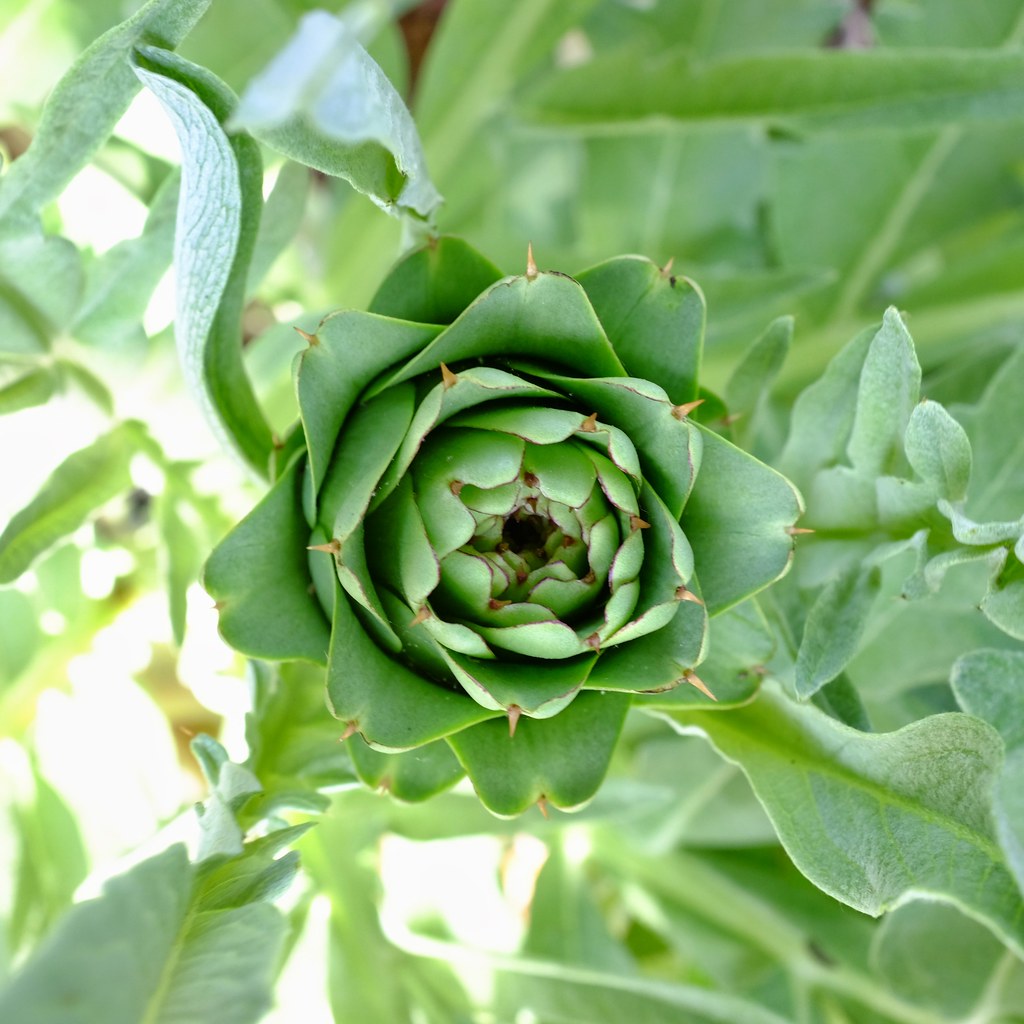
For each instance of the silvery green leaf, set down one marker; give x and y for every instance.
(967, 531)
(938, 449)
(144, 951)
(990, 685)
(872, 817)
(834, 627)
(325, 102)
(889, 383)
(218, 214)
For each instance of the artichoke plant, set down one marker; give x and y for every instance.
(498, 525)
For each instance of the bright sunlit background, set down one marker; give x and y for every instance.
(102, 709)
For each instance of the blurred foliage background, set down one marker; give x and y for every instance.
(669, 898)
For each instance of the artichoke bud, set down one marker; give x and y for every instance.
(502, 519)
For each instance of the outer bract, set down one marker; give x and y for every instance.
(499, 524)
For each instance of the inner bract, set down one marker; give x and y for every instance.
(537, 544)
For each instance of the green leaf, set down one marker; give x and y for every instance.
(282, 217)
(120, 283)
(654, 320)
(411, 775)
(52, 863)
(139, 952)
(1003, 604)
(259, 576)
(40, 286)
(218, 214)
(81, 484)
(435, 283)
(990, 685)
(547, 317)
(739, 645)
(938, 450)
(566, 925)
(998, 453)
(834, 627)
(669, 448)
(259, 874)
(182, 550)
(750, 383)
(580, 995)
(348, 351)
(475, 63)
(34, 387)
(823, 414)
(888, 391)
(392, 707)
(828, 90)
(934, 956)
(87, 103)
(20, 634)
(736, 521)
(869, 817)
(325, 102)
(511, 773)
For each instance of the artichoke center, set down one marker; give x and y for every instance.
(526, 533)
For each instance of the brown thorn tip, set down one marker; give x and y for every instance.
(682, 411)
(495, 604)
(351, 728)
(331, 548)
(589, 425)
(421, 616)
(456, 487)
(448, 378)
(695, 680)
(666, 270)
(636, 523)
(796, 531)
(514, 711)
(311, 338)
(594, 641)
(682, 594)
(531, 266)
(542, 806)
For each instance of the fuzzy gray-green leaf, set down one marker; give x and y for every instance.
(938, 450)
(834, 628)
(325, 102)
(870, 817)
(889, 385)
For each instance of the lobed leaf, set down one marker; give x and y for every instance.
(871, 818)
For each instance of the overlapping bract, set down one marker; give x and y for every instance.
(500, 528)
